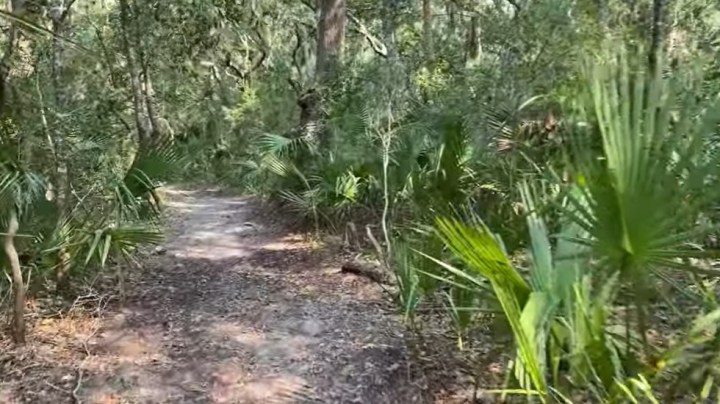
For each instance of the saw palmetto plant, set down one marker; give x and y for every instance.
(518, 168)
(627, 221)
(86, 237)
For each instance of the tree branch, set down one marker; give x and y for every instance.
(298, 45)
(470, 7)
(262, 48)
(515, 4)
(309, 5)
(66, 11)
(237, 72)
(122, 120)
(295, 85)
(377, 45)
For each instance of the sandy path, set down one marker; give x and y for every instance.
(233, 311)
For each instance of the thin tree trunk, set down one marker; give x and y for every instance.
(452, 14)
(5, 69)
(427, 27)
(17, 7)
(18, 321)
(60, 99)
(146, 82)
(133, 72)
(149, 103)
(657, 41)
(427, 19)
(389, 21)
(60, 15)
(473, 39)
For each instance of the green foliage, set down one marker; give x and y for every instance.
(595, 178)
(655, 177)
(70, 164)
(627, 216)
(591, 174)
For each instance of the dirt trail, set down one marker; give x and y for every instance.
(235, 311)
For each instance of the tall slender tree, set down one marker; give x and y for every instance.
(18, 322)
(59, 13)
(133, 72)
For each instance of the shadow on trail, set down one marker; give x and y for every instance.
(236, 313)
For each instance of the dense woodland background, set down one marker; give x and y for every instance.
(551, 165)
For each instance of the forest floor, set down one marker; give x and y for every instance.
(233, 308)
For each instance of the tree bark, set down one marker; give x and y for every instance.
(331, 22)
(18, 321)
(331, 35)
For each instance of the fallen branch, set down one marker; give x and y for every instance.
(78, 383)
(56, 387)
(360, 269)
(74, 391)
(382, 256)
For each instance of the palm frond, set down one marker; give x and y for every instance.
(645, 189)
(280, 145)
(527, 312)
(151, 163)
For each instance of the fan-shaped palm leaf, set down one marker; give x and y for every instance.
(639, 202)
(151, 163)
(527, 312)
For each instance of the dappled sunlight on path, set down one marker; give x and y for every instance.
(231, 310)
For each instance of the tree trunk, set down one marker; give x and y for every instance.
(331, 23)
(309, 103)
(389, 20)
(657, 41)
(137, 94)
(59, 16)
(150, 103)
(452, 14)
(153, 127)
(473, 39)
(18, 321)
(427, 27)
(17, 7)
(331, 34)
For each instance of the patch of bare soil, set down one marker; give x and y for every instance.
(230, 310)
